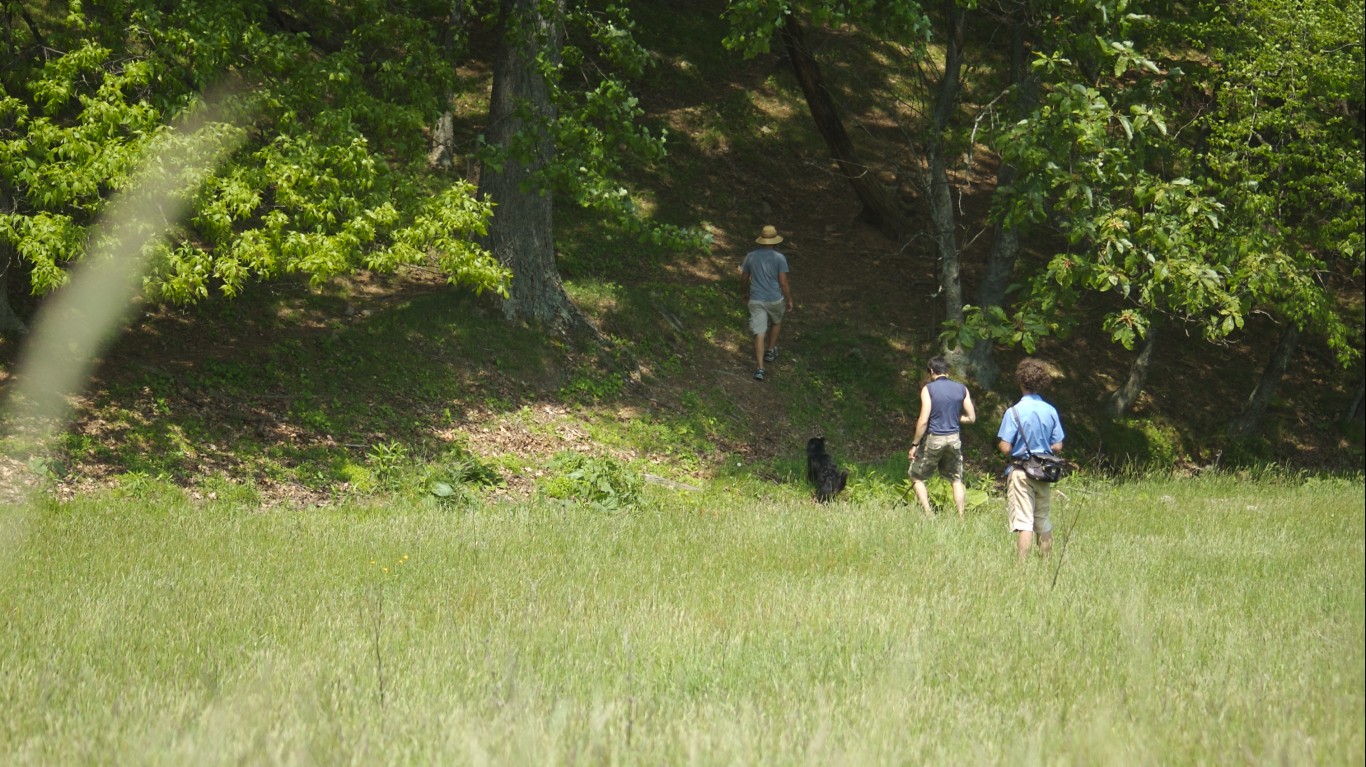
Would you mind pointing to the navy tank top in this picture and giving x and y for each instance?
(946, 405)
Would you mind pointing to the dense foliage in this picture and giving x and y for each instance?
(1194, 163)
(1206, 165)
(330, 101)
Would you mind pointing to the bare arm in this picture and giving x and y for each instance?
(744, 285)
(923, 422)
(969, 412)
(1005, 447)
(787, 293)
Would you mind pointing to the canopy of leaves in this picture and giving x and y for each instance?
(330, 102)
(1200, 164)
(595, 118)
(754, 23)
(1283, 138)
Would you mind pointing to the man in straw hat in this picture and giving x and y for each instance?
(763, 279)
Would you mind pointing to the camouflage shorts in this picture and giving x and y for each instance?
(939, 451)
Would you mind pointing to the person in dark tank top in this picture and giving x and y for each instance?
(945, 405)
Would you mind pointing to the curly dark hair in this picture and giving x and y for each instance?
(1033, 375)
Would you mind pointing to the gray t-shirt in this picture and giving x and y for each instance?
(763, 267)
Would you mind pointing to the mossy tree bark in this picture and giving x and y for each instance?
(935, 181)
(521, 233)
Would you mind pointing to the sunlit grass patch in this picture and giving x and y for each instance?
(1179, 621)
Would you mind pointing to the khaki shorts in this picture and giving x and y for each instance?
(762, 313)
(1027, 503)
(939, 451)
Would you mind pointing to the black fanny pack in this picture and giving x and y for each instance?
(1043, 468)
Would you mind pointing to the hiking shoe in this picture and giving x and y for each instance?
(771, 354)
(759, 374)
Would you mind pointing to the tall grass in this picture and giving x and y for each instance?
(1206, 621)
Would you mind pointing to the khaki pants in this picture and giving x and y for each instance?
(1027, 503)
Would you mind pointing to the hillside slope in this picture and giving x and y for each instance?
(309, 394)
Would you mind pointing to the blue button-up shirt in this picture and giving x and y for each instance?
(1042, 427)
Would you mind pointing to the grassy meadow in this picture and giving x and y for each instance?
(1216, 620)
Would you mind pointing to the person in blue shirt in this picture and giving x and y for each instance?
(1039, 431)
(763, 280)
(945, 404)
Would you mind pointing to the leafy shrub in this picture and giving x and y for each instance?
(867, 486)
(599, 481)
(1141, 442)
(877, 484)
(387, 460)
(360, 478)
(941, 493)
(47, 468)
(453, 479)
(468, 470)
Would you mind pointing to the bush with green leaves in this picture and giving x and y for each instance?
(598, 481)
(1141, 442)
(870, 486)
(975, 495)
(325, 115)
(388, 462)
(455, 478)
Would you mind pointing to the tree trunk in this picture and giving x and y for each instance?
(1123, 398)
(1245, 424)
(1005, 246)
(521, 233)
(441, 155)
(1355, 409)
(880, 207)
(943, 222)
(10, 324)
(944, 225)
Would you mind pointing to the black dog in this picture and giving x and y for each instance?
(822, 472)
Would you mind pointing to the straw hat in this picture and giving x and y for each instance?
(769, 237)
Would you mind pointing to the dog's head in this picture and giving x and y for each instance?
(815, 446)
